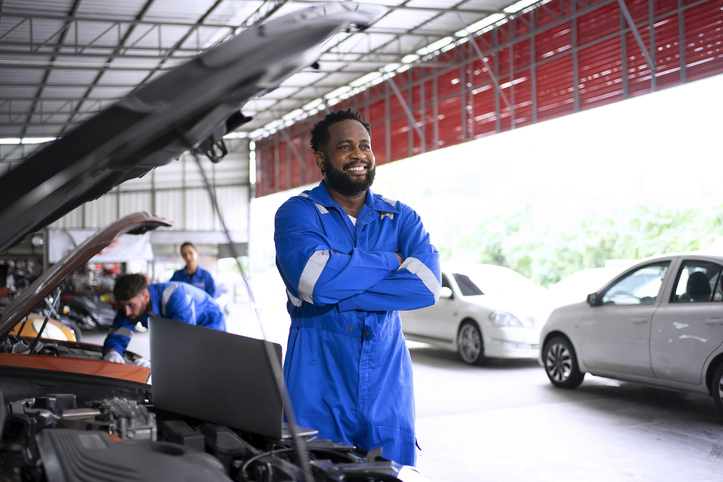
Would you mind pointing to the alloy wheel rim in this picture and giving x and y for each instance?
(469, 343)
(558, 362)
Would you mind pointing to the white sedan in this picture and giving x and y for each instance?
(484, 311)
(659, 322)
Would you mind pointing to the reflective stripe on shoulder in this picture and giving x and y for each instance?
(294, 300)
(413, 265)
(303, 194)
(322, 209)
(123, 331)
(393, 202)
(311, 274)
(167, 296)
(387, 215)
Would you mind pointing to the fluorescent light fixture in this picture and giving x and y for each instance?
(519, 6)
(338, 92)
(26, 140)
(434, 46)
(292, 114)
(408, 59)
(313, 104)
(477, 26)
(365, 79)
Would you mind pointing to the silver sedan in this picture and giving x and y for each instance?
(659, 322)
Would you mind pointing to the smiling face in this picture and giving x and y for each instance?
(347, 159)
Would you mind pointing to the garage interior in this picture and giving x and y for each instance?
(431, 75)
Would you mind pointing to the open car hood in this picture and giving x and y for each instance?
(137, 223)
(190, 107)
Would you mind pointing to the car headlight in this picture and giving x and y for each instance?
(502, 318)
(51, 331)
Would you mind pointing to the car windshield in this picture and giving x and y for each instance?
(494, 281)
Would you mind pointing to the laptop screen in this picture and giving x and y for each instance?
(216, 376)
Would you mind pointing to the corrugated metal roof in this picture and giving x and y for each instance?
(61, 52)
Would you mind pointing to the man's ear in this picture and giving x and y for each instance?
(319, 158)
(146, 296)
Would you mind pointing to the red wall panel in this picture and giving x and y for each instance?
(555, 88)
(600, 74)
(543, 72)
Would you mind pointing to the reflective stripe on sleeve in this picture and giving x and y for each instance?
(167, 296)
(294, 300)
(311, 274)
(127, 332)
(413, 265)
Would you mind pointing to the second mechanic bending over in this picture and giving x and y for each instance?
(177, 301)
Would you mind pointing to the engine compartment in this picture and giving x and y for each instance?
(73, 427)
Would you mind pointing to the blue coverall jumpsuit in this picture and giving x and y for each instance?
(200, 279)
(347, 368)
(176, 301)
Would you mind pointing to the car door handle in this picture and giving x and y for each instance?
(714, 321)
(639, 319)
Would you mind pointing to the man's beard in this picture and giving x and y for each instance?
(340, 182)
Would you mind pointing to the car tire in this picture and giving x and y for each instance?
(560, 363)
(716, 387)
(74, 328)
(470, 344)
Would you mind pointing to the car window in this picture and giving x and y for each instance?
(466, 285)
(698, 281)
(641, 287)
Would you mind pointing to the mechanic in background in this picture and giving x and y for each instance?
(193, 274)
(177, 301)
(350, 259)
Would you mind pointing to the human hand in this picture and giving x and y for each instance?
(399, 257)
(142, 362)
(113, 356)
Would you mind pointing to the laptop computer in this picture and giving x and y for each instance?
(218, 377)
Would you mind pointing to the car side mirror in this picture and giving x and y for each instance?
(445, 292)
(592, 299)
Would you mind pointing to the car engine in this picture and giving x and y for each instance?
(69, 427)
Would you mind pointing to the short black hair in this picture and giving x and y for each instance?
(128, 286)
(188, 243)
(320, 132)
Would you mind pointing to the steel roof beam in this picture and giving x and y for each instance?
(48, 70)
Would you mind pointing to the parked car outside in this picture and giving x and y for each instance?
(484, 311)
(659, 322)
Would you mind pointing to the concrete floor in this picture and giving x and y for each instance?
(506, 422)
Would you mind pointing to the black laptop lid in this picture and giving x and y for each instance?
(215, 376)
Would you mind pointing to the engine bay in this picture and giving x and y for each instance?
(61, 436)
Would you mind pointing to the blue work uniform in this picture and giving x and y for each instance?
(200, 279)
(347, 367)
(176, 301)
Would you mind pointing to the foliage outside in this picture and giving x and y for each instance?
(547, 254)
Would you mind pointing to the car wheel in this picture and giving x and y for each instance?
(470, 344)
(561, 363)
(74, 328)
(716, 388)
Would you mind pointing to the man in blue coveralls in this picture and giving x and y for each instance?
(350, 259)
(177, 301)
